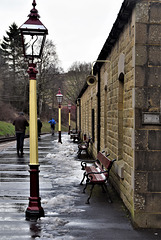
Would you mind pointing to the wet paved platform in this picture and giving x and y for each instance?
(67, 217)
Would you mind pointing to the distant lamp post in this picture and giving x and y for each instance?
(69, 108)
(59, 97)
(33, 34)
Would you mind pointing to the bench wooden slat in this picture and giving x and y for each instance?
(90, 169)
(97, 178)
(104, 160)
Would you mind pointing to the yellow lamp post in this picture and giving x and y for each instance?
(69, 108)
(33, 34)
(59, 97)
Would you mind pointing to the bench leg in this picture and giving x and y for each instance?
(84, 189)
(79, 153)
(90, 194)
(106, 190)
(84, 175)
(87, 182)
(103, 188)
(87, 152)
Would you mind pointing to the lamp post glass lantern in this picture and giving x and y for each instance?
(33, 34)
(59, 97)
(69, 108)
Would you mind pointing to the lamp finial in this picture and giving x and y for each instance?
(34, 3)
(34, 11)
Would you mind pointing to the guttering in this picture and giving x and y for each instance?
(122, 19)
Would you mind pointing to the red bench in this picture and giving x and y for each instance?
(97, 172)
(83, 147)
(75, 135)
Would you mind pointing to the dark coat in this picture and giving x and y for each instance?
(20, 124)
(39, 125)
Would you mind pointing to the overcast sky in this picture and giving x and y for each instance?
(78, 28)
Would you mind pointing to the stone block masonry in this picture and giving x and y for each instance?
(130, 85)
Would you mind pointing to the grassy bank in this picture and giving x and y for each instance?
(7, 129)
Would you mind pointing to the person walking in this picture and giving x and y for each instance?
(39, 126)
(52, 124)
(20, 124)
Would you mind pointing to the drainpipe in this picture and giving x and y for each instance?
(79, 114)
(98, 111)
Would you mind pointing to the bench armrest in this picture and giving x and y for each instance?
(90, 177)
(84, 163)
(113, 161)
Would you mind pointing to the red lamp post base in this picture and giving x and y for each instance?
(34, 213)
(34, 210)
(59, 137)
(69, 130)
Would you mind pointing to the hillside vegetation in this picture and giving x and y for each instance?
(7, 129)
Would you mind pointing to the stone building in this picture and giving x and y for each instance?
(121, 110)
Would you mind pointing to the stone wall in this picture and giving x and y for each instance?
(120, 112)
(130, 87)
(147, 99)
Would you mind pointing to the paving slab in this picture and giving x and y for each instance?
(67, 217)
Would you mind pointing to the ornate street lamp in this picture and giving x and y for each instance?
(69, 108)
(59, 97)
(33, 34)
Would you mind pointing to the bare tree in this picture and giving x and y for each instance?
(49, 78)
(75, 80)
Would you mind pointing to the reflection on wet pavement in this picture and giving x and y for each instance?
(67, 217)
